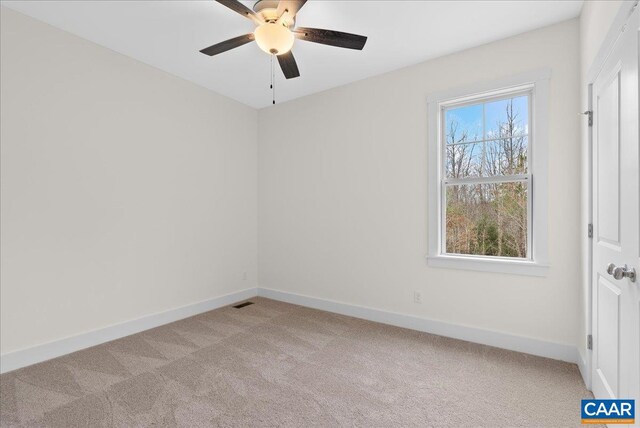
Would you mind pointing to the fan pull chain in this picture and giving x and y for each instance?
(273, 80)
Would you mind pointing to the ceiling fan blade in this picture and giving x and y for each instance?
(243, 10)
(292, 6)
(288, 65)
(228, 44)
(330, 37)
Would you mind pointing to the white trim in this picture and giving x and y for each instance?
(477, 89)
(527, 345)
(488, 264)
(584, 368)
(25, 357)
(625, 11)
(500, 94)
(17, 359)
(538, 82)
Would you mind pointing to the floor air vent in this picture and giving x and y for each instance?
(242, 305)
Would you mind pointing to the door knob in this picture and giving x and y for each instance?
(620, 272)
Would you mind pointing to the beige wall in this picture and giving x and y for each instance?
(596, 20)
(343, 194)
(125, 191)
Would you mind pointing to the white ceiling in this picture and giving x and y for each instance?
(169, 34)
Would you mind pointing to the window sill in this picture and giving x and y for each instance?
(515, 267)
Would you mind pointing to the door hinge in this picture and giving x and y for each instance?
(589, 114)
(590, 230)
(589, 342)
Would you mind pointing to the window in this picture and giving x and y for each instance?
(486, 177)
(485, 212)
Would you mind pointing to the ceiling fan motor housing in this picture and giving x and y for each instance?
(268, 9)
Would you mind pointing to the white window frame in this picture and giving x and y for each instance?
(536, 85)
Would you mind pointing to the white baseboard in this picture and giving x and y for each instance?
(526, 345)
(584, 370)
(25, 357)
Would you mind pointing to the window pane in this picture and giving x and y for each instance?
(487, 219)
(507, 117)
(506, 156)
(463, 124)
(464, 160)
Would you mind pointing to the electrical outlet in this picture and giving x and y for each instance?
(244, 276)
(417, 297)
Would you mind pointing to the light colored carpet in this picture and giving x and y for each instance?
(274, 364)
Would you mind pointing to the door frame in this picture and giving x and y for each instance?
(617, 27)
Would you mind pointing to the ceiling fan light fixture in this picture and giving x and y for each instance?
(274, 38)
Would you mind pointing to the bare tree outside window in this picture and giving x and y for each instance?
(486, 183)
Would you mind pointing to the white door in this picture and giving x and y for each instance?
(616, 217)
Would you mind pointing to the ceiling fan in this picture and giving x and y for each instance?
(276, 32)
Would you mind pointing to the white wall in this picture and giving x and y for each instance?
(595, 21)
(343, 194)
(125, 191)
